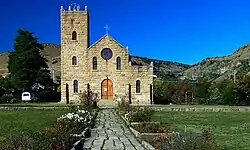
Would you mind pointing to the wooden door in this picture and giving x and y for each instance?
(107, 89)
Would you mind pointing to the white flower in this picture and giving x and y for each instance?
(81, 116)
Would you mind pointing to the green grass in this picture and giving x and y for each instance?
(231, 129)
(18, 121)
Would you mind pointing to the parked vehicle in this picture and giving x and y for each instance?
(27, 96)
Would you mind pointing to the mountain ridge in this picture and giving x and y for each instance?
(218, 68)
(52, 52)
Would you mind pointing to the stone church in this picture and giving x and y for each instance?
(104, 67)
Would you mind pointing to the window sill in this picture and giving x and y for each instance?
(138, 93)
(95, 71)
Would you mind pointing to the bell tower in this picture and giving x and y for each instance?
(74, 43)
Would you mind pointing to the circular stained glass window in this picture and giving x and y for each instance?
(106, 53)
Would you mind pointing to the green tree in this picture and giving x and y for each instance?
(26, 65)
(5, 85)
(162, 91)
(201, 91)
(243, 89)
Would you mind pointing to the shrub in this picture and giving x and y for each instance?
(20, 142)
(75, 122)
(140, 114)
(124, 105)
(89, 99)
(15, 100)
(186, 141)
(151, 128)
(6, 98)
(56, 137)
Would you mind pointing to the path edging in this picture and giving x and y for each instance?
(136, 134)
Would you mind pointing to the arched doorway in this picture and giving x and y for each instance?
(107, 89)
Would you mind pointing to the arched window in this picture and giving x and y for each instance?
(75, 86)
(94, 63)
(74, 35)
(74, 60)
(138, 86)
(118, 63)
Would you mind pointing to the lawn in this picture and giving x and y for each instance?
(231, 129)
(13, 122)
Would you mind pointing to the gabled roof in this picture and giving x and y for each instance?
(108, 36)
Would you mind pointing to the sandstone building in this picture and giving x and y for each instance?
(104, 66)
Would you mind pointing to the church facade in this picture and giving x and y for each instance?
(103, 67)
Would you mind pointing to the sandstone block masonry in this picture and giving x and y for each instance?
(108, 73)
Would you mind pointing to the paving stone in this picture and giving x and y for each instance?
(111, 134)
(113, 138)
(129, 148)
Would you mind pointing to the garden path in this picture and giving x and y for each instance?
(111, 133)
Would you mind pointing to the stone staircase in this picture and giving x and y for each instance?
(106, 104)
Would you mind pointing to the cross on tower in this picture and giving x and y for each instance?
(107, 27)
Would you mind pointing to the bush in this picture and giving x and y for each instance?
(89, 99)
(140, 114)
(6, 98)
(20, 142)
(151, 128)
(124, 105)
(186, 141)
(75, 122)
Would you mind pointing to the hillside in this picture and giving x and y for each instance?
(52, 52)
(218, 68)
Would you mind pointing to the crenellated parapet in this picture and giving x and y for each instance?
(73, 8)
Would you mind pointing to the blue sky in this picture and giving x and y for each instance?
(185, 31)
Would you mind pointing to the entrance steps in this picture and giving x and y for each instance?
(106, 104)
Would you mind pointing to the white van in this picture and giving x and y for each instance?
(27, 96)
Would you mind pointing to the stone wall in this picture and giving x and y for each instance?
(198, 108)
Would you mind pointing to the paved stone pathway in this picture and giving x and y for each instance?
(110, 133)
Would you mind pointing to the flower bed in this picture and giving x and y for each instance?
(150, 127)
(147, 131)
(136, 119)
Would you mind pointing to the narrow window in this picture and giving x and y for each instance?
(74, 60)
(138, 86)
(74, 35)
(75, 86)
(94, 63)
(118, 63)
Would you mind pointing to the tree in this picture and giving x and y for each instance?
(27, 67)
(243, 89)
(201, 91)
(162, 91)
(180, 91)
(5, 85)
